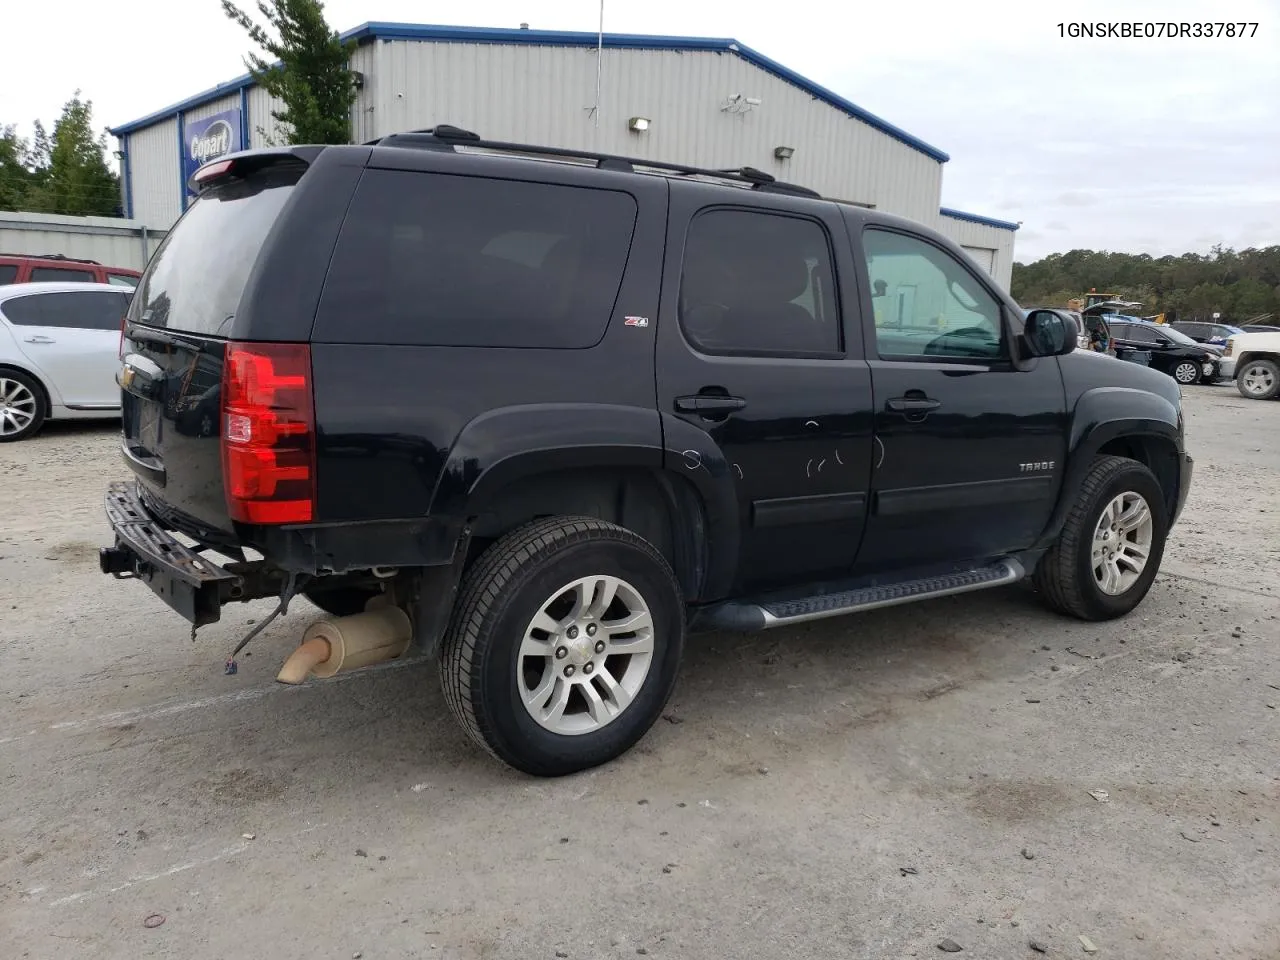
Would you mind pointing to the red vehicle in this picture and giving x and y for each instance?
(43, 268)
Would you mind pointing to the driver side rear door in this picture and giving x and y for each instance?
(969, 451)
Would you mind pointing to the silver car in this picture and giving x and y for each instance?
(59, 354)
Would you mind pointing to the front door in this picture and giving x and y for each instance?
(969, 450)
(752, 353)
(73, 338)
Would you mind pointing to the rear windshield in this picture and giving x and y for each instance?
(442, 260)
(196, 277)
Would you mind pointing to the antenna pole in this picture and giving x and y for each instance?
(599, 63)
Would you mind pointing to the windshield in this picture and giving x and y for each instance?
(196, 277)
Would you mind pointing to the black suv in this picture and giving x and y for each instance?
(542, 412)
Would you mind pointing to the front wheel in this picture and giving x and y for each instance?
(1186, 372)
(564, 645)
(1110, 548)
(1259, 379)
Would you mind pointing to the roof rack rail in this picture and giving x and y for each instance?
(50, 256)
(447, 137)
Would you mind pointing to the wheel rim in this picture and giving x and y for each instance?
(585, 655)
(1122, 543)
(1258, 379)
(1186, 372)
(17, 407)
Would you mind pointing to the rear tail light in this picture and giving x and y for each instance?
(268, 433)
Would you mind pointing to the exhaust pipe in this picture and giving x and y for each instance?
(345, 643)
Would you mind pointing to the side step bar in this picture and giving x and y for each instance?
(767, 614)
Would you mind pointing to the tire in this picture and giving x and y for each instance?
(1066, 577)
(1258, 379)
(486, 670)
(1186, 372)
(23, 407)
(339, 601)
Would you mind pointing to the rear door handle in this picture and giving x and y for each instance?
(709, 404)
(41, 340)
(912, 404)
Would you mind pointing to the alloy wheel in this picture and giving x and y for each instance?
(18, 407)
(1122, 543)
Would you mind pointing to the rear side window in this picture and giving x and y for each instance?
(51, 274)
(8, 273)
(441, 260)
(758, 283)
(82, 310)
(195, 280)
(122, 280)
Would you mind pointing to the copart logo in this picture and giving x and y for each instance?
(213, 143)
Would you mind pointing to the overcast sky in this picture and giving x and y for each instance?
(1146, 145)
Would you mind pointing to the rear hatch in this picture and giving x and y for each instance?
(181, 328)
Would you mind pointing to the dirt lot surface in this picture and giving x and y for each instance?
(864, 787)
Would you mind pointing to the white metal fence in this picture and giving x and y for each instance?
(112, 242)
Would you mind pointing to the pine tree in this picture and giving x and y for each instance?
(312, 77)
(15, 169)
(70, 173)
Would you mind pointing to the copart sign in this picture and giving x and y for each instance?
(208, 139)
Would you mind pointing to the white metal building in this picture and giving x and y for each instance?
(705, 102)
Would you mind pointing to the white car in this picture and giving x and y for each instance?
(59, 354)
(1254, 360)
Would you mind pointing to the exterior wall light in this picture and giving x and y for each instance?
(638, 124)
(784, 153)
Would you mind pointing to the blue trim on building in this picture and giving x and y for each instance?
(126, 175)
(182, 166)
(369, 32)
(975, 218)
(244, 118)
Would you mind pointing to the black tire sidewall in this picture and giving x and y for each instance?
(1137, 479)
(1275, 369)
(513, 733)
(42, 406)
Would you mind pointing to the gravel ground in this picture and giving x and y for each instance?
(865, 787)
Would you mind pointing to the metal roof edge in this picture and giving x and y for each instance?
(381, 30)
(976, 218)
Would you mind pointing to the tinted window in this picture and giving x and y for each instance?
(50, 274)
(8, 273)
(926, 302)
(758, 283)
(85, 310)
(197, 275)
(1141, 334)
(466, 261)
(122, 280)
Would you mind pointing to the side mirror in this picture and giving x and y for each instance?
(1048, 333)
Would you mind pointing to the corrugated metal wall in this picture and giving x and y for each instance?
(154, 174)
(983, 237)
(545, 94)
(112, 242)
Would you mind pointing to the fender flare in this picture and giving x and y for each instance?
(507, 445)
(1101, 415)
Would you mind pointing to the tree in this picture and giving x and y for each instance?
(15, 169)
(312, 77)
(76, 179)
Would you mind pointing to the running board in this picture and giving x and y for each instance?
(769, 613)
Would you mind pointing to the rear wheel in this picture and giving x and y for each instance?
(564, 645)
(22, 406)
(1259, 379)
(1110, 548)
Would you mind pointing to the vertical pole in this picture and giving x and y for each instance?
(599, 63)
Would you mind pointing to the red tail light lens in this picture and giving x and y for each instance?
(268, 433)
